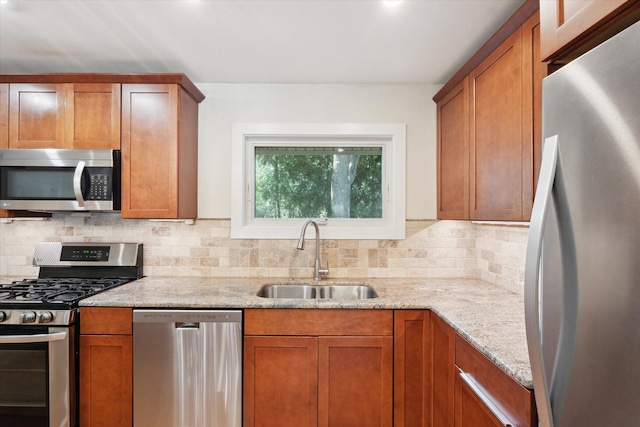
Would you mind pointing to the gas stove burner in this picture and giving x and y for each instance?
(67, 296)
(67, 291)
(70, 272)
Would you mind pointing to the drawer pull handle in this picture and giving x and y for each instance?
(468, 379)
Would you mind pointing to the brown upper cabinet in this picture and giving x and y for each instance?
(501, 136)
(4, 115)
(152, 118)
(453, 153)
(64, 115)
(93, 116)
(36, 115)
(489, 127)
(571, 27)
(159, 152)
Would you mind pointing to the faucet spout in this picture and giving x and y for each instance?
(300, 246)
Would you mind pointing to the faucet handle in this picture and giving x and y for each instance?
(324, 270)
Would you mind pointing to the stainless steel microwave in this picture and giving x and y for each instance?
(60, 180)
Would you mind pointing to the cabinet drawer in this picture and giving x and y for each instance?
(515, 401)
(106, 321)
(318, 322)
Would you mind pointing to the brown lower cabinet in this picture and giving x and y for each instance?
(106, 367)
(338, 368)
(485, 396)
(443, 372)
(336, 371)
(412, 368)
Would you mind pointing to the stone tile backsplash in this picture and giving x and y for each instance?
(431, 249)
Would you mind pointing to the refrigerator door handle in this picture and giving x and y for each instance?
(532, 279)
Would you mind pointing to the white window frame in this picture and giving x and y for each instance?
(246, 136)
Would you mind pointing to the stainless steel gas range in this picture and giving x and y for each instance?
(39, 328)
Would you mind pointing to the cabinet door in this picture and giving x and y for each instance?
(4, 115)
(443, 372)
(500, 133)
(93, 116)
(507, 397)
(411, 369)
(470, 410)
(566, 24)
(355, 382)
(535, 71)
(106, 394)
(36, 116)
(149, 151)
(280, 381)
(453, 153)
(4, 125)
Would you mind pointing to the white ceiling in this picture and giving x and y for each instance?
(250, 41)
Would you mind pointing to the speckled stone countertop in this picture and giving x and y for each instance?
(490, 317)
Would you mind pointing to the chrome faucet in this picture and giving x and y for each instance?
(317, 270)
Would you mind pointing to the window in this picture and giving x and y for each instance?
(349, 177)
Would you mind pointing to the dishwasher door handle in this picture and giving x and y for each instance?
(187, 316)
(187, 325)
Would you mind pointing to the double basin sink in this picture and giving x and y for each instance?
(313, 291)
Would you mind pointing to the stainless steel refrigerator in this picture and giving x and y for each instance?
(582, 273)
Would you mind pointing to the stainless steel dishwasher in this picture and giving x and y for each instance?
(187, 368)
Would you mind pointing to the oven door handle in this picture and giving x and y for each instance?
(36, 338)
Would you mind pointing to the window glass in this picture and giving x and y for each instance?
(318, 182)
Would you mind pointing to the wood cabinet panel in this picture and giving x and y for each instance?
(496, 127)
(280, 381)
(324, 380)
(453, 153)
(149, 151)
(4, 126)
(64, 115)
(318, 322)
(93, 116)
(106, 385)
(412, 368)
(106, 321)
(36, 115)
(159, 152)
(531, 46)
(355, 386)
(513, 400)
(570, 27)
(4, 115)
(470, 410)
(106, 367)
(443, 372)
(489, 133)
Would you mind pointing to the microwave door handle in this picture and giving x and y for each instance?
(28, 339)
(77, 184)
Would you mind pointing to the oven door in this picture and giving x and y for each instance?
(37, 384)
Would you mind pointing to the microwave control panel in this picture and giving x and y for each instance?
(99, 184)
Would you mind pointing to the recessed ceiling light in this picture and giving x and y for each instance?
(391, 3)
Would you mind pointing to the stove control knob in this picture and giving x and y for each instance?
(45, 317)
(3, 316)
(28, 317)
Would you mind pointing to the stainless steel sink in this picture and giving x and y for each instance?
(307, 291)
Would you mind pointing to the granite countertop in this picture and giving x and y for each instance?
(489, 317)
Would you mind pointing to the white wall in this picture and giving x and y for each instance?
(311, 103)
